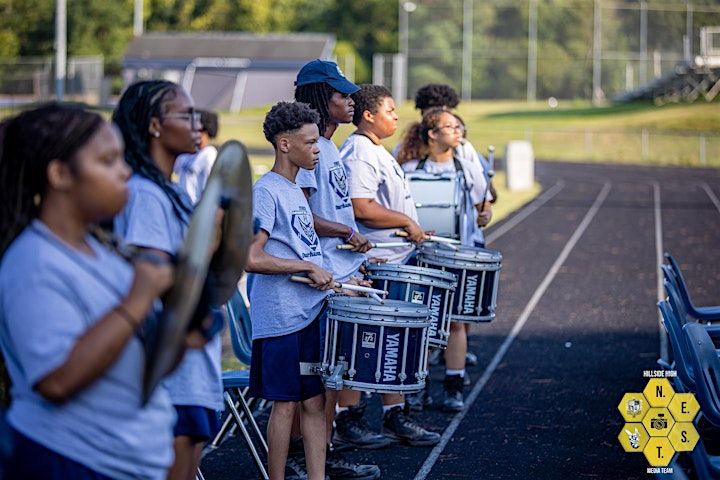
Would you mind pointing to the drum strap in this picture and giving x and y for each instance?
(310, 368)
(458, 165)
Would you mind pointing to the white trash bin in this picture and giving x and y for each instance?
(520, 165)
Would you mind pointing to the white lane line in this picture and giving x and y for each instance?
(525, 212)
(711, 194)
(664, 354)
(426, 468)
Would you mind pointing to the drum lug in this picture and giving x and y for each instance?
(351, 373)
(334, 381)
(402, 377)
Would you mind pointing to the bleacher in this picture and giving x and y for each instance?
(688, 81)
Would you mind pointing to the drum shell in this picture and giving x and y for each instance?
(439, 200)
(382, 347)
(424, 286)
(478, 272)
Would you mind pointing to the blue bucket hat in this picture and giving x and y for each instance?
(321, 71)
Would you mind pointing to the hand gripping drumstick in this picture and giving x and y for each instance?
(432, 238)
(373, 292)
(347, 246)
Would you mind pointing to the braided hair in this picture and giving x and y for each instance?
(317, 95)
(417, 138)
(28, 143)
(138, 105)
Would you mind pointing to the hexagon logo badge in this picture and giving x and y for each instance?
(659, 452)
(684, 407)
(684, 437)
(658, 422)
(658, 392)
(633, 437)
(633, 407)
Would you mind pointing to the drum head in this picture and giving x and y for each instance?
(181, 301)
(232, 169)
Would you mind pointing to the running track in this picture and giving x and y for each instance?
(576, 326)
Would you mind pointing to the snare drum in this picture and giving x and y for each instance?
(478, 272)
(440, 202)
(375, 347)
(424, 286)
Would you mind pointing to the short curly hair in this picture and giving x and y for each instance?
(436, 95)
(368, 98)
(288, 117)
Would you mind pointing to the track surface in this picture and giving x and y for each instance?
(546, 388)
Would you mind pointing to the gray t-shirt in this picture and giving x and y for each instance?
(330, 199)
(374, 173)
(150, 221)
(193, 170)
(50, 295)
(279, 306)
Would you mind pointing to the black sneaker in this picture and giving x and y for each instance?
(453, 393)
(295, 469)
(471, 359)
(339, 468)
(415, 402)
(352, 431)
(436, 357)
(399, 426)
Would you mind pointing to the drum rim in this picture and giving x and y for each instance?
(492, 256)
(416, 323)
(390, 306)
(438, 278)
(460, 264)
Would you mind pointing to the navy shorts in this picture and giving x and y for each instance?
(199, 423)
(32, 461)
(275, 365)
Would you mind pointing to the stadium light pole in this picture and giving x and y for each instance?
(404, 10)
(532, 52)
(597, 54)
(60, 48)
(138, 24)
(467, 49)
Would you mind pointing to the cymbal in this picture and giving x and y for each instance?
(232, 167)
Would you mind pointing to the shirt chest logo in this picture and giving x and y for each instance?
(338, 182)
(302, 225)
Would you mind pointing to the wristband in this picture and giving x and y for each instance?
(127, 316)
(352, 234)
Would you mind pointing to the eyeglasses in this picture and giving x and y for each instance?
(192, 117)
(454, 128)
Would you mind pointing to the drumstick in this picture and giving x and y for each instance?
(346, 286)
(432, 238)
(347, 246)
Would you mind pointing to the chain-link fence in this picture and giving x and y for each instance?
(32, 79)
(547, 48)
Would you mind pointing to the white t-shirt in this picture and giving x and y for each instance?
(193, 169)
(330, 199)
(374, 173)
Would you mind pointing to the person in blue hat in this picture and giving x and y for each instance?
(322, 85)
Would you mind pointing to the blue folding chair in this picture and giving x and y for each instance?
(237, 382)
(706, 366)
(685, 380)
(674, 275)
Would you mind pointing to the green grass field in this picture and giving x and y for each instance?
(574, 131)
